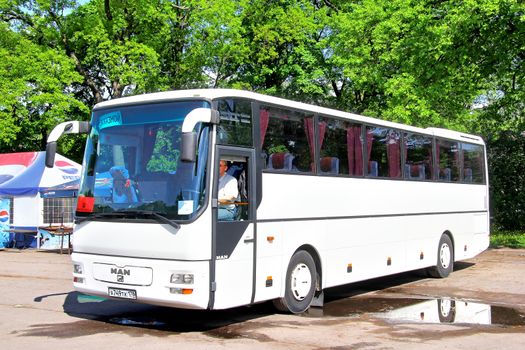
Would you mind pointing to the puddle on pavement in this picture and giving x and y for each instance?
(220, 322)
(421, 311)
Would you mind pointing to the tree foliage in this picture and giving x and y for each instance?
(455, 64)
(35, 91)
(507, 180)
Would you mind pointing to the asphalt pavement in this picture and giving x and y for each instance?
(480, 306)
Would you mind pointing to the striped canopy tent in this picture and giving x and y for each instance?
(25, 173)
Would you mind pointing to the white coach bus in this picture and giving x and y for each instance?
(324, 198)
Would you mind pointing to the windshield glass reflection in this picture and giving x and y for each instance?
(132, 162)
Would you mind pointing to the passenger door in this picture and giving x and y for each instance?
(234, 240)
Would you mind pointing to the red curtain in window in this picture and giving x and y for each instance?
(322, 132)
(369, 142)
(309, 127)
(264, 118)
(354, 150)
(394, 155)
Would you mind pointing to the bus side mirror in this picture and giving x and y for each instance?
(73, 127)
(189, 146)
(51, 150)
(189, 137)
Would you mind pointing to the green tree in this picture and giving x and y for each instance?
(425, 62)
(507, 180)
(282, 38)
(494, 42)
(35, 89)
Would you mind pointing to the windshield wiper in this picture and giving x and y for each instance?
(131, 213)
(153, 214)
(81, 219)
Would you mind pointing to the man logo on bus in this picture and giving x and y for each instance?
(66, 167)
(4, 216)
(120, 271)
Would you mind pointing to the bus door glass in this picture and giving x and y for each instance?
(234, 215)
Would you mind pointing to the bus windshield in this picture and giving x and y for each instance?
(132, 162)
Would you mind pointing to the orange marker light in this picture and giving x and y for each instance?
(270, 239)
(269, 281)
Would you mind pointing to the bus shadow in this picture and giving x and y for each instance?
(381, 283)
(135, 315)
(135, 318)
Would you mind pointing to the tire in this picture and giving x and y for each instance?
(301, 278)
(446, 310)
(445, 258)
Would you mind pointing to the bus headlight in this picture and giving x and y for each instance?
(182, 278)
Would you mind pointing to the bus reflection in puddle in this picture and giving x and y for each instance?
(441, 311)
(395, 310)
(422, 311)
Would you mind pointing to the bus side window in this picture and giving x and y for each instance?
(287, 140)
(383, 151)
(418, 157)
(447, 160)
(341, 149)
(235, 127)
(233, 209)
(473, 161)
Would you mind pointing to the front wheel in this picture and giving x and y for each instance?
(445, 258)
(300, 284)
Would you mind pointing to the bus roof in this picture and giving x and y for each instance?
(212, 94)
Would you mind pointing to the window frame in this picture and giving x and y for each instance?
(401, 152)
(404, 150)
(253, 116)
(361, 138)
(483, 165)
(263, 160)
(403, 135)
(437, 168)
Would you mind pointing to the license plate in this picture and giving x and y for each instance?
(122, 293)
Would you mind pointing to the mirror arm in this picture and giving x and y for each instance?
(72, 127)
(189, 137)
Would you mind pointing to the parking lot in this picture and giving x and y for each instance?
(480, 306)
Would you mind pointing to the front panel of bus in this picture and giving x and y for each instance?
(143, 225)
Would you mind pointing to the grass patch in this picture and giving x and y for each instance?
(510, 239)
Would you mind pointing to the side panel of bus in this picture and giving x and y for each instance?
(364, 228)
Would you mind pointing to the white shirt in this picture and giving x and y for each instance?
(228, 189)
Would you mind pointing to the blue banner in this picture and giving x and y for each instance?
(4, 221)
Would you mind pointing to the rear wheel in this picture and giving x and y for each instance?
(300, 284)
(446, 310)
(445, 258)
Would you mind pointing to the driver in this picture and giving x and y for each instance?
(228, 193)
